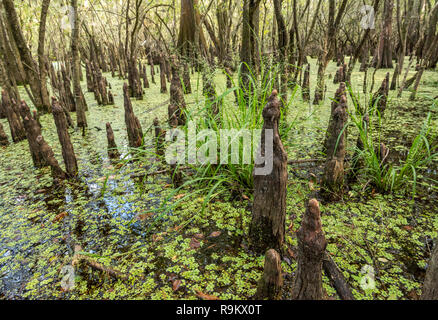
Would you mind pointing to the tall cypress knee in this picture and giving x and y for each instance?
(49, 156)
(311, 248)
(113, 153)
(267, 227)
(333, 178)
(135, 133)
(269, 286)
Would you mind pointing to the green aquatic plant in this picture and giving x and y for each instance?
(373, 154)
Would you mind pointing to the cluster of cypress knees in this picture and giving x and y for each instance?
(267, 228)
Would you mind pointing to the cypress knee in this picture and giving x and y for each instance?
(110, 98)
(335, 103)
(68, 152)
(269, 286)
(113, 153)
(135, 132)
(18, 132)
(311, 248)
(3, 137)
(333, 178)
(49, 156)
(267, 227)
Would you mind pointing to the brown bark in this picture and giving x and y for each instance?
(430, 286)
(191, 39)
(68, 152)
(337, 279)
(311, 248)
(267, 227)
(333, 178)
(381, 96)
(33, 131)
(18, 132)
(135, 132)
(113, 153)
(49, 156)
(163, 76)
(269, 286)
(383, 55)
(249, 40)
(81, 118)
(68, 97)
(283, 42)
(30, 66)
(177, 104)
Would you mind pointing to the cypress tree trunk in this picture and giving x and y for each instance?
(77, 91)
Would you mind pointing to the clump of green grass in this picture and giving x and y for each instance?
(388, 177)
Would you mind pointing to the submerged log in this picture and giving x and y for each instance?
(135, 132)
(267, 229)
(113, 153)
(18, 132)
(430, 286)
(311, 248)
(381, 96)
(33, 131)
(68, 152)
(269, 286)
(3, 137)
(337, 279)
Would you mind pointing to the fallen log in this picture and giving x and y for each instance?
(336, 277)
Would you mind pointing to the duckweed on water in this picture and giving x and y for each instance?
(41, 224)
